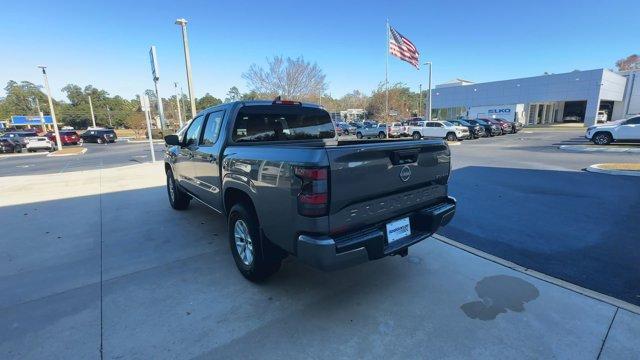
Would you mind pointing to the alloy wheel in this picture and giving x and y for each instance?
(244, 245)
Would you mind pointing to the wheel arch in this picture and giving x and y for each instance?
(233, 195)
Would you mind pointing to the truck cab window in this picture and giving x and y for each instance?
(193, 132)
(212, 128)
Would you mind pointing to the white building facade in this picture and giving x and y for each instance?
(576, 96)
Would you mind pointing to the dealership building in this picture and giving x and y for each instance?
(576, 96)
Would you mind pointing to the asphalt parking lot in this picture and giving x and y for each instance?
(101, 267)
(525, 200)
(97, 156)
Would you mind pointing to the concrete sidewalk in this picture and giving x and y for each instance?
(102, 266)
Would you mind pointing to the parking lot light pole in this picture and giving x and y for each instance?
(175, 85)
(93, 117)
(187, 61)
(428, 117)
(53, 113)
(145, 106)
(44, 125)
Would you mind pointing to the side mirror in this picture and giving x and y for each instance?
(172, 140)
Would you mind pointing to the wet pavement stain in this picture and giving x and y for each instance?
(498, 294)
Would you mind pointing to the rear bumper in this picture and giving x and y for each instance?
(327, 253)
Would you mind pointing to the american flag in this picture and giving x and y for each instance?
(402, 48)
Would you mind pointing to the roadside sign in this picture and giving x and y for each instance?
(144, 103)
(30, 120)
(153, 57)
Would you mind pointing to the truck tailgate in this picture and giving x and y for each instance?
(375, 182)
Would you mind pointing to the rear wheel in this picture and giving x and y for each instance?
(602, 138)
(17, 149)
(100, 141)
(451, 137)
(359, 135)
(255, 257)
(416, 136)
(381, 135)
(178, 199)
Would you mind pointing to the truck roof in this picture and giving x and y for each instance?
(234, 104)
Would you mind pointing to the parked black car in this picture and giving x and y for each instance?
(8, 146)
(489, 129)
(475, 130)
(99, 136)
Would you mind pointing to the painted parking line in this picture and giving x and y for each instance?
(603, 149)
(550, 279)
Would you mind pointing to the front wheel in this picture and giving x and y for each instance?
(359, 135)
(416, 136)
(178, 199)
(451, 137)
(255, 257)
(602, 138)
(381, 135)
(17, 149)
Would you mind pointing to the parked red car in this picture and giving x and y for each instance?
(66, 137)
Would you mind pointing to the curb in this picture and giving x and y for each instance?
(596, 169)
(53, 154)
(21, 155)
(538, 275)
(602, 149)
(144, 141)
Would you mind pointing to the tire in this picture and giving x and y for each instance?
(359, 135)
(17, 149)
(451, 137)
(178, 199)
(255, 257)
(416, 136)
(100, 141)
(381, 135)
(602, 138)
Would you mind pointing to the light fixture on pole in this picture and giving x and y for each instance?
(53, 113)
(187, 61)
(429, 107)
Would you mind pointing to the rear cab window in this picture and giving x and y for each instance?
(259, 123)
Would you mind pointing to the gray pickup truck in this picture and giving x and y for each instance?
(287, 185)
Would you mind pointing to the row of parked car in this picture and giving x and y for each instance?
(32, 141)
(418, 128)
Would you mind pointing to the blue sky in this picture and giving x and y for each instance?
(106, 43)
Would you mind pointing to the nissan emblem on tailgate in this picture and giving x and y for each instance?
(405, 173)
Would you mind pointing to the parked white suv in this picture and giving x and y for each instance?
(627, 130)
(438, 129)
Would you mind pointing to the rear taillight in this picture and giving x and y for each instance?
(313, 199)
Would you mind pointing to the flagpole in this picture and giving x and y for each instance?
(386, 79)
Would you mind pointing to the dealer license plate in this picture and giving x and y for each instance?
(398, 229)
